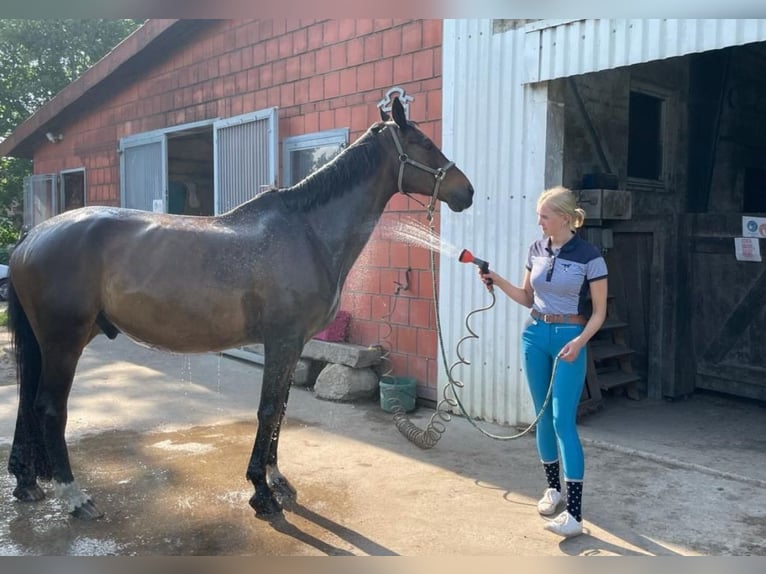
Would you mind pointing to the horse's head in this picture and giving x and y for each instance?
(423, 169)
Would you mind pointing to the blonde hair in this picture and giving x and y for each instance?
(563, 201)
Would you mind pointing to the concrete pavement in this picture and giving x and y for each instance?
(161, 441)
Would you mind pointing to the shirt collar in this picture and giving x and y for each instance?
(568, 246)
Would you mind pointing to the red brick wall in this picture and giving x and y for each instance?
(321, 75)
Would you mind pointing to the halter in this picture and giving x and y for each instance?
(438, 173)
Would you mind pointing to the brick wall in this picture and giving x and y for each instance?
(321, 75)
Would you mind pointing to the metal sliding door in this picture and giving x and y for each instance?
(246, 159)
(144, 173)
(40, 198)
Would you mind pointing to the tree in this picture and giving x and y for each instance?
(39, 58)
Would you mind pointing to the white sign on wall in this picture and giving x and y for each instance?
(753, 226)
(747, 248)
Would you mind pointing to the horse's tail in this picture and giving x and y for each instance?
(26, 349)
(24, 344)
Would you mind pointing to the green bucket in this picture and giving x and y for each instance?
(398, 391)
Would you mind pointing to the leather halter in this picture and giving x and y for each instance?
(439, 173)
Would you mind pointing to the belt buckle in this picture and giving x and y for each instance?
(546, 317)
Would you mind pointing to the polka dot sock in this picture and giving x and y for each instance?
(574, 499)
(552, 475)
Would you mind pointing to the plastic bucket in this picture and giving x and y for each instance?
(398, 392)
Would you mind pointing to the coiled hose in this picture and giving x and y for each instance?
(428, 437)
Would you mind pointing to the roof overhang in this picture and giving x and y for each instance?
(562, 48)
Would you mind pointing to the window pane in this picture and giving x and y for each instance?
(645, 136)
(74, 190)
(308, 160)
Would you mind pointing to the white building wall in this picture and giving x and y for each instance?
(494, 130)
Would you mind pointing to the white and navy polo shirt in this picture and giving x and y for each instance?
(561, 279)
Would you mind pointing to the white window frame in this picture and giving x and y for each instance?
(337, 136)
(155, 136)
(667, 111)
(62, 187)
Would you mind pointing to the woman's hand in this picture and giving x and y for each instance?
(571, 350)
(489, 278)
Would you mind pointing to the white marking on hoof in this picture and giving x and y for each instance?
(70, 493)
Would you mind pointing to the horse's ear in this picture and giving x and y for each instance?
(384, 115)
(397, 109)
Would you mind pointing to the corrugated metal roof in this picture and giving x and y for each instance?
(557, 49)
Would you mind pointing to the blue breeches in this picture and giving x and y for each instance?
(557, 428)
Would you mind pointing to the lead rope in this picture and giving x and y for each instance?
(428, 437)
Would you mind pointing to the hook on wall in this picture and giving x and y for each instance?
(406, 285)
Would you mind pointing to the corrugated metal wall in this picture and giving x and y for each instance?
(561, 50)
(484, 130)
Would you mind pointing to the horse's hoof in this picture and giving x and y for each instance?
(287, 502)
(87, 511)
(29, 493)
(284, 492)
(267, 508)
(286, 498)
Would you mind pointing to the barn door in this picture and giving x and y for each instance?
(144, 172)
(728, 317)
(246, 159)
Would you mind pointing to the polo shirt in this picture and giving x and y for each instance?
(561, 278)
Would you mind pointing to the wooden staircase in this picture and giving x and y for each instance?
(609, 362)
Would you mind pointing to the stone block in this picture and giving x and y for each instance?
(356, 356)
(342, 383)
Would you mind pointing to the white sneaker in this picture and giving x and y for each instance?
(549, 502)
(564, 525)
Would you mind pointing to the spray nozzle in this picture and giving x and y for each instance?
(468, 257)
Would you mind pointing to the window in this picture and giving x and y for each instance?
(72, 189)
(645, 136)
(755, 190)
(303, 155)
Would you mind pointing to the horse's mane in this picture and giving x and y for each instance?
(337, 176)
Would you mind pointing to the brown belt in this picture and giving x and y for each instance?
(551, 318)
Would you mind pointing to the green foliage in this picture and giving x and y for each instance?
(12, 172)
(39, 58)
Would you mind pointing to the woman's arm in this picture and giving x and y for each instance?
(522, 295)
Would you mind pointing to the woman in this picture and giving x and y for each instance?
(562, 269)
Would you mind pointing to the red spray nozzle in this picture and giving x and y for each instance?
(468, 257)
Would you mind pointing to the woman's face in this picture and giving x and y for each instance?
(552, 222)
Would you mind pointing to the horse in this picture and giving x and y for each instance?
(269, 271)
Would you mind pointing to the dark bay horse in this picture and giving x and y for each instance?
(269, 271)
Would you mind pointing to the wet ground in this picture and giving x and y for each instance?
(178, 493)
(162, 441)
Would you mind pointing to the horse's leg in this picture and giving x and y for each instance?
(59, 365)
(283, 490)
(281, 356)
(28, 460)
